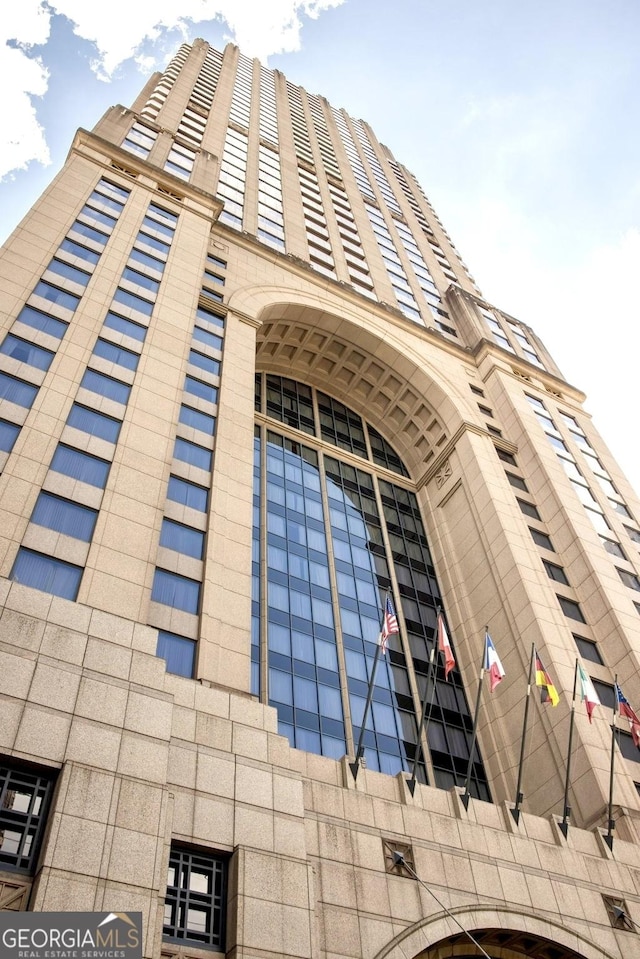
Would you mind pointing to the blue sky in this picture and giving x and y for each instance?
(519, 120)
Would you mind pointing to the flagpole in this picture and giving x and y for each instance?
(566, 812)
(355, 766)
(466, 795)
(426, 716)
(515, 812)
(610, 821)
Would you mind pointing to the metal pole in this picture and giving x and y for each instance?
(566, 811)
(610, 821)
(424, 719)
(354, 767)
(466, 796)
(519, 797)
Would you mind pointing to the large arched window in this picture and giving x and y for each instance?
(336, 526)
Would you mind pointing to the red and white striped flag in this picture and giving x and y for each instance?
(389, 625)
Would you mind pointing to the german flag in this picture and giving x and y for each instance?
(548, 692)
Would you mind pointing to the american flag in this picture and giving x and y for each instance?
(389, 625)
(625, 709)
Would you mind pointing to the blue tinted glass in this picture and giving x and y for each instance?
(42, 321)
(204, 362)
(8, 435)
(65, 517)
(149, 224)
(163, 214)
(203, 390)
(80, 466)
(181, 538)
(133, 276)
(90, 232)
(198, 420)
(193, 454)
(26, 352)
(153, 242)
(213, 278)
(107, 201)
(17, 391)
(116, 354)
(107, 221)
(147, 260)
(69, 272)
(178, 651)
(210, 319)
(177, 591)
(46, 573)
(97, 424)
(128, 327)
(54, 295)
(204, 336)
(112, 189)
(189, 494)
(105, 386)
(133, 301)
(76, 249)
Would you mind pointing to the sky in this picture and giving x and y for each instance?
(520, 120)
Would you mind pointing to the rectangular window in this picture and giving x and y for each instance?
(140, 279)
(181, 538)
(203, 390)
(517, 482)
(46, 573)
(197, 420)
(116, 354)
(54, 295)
(82, 252)
(209, 339)
(588, 649)
(555, 572)
(177, 591)
(135, 330)
(571, 609)
(195, 902)
(64, 516)
(106, 201)
(8, 435)
(105, 386)
(25, 352)
(192, 453)
(25, 795)
(204, 362)
(98, 217)
(42, 321)
(529, 509)
(133, 302)
(89, 232)
(80, 466)
(188, 494)
(178, 651)
(162, 214)
(97, 424)
(145, 259)
(156, 244)
(629, 579)
(69, 272)
(17, 391)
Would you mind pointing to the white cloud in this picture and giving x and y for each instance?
(259, 28)
(22, 76)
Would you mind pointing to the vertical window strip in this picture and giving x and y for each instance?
(240, 111)
(395, 271)
(180, 592)
(576, 478)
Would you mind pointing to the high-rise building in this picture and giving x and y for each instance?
(249, 390)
